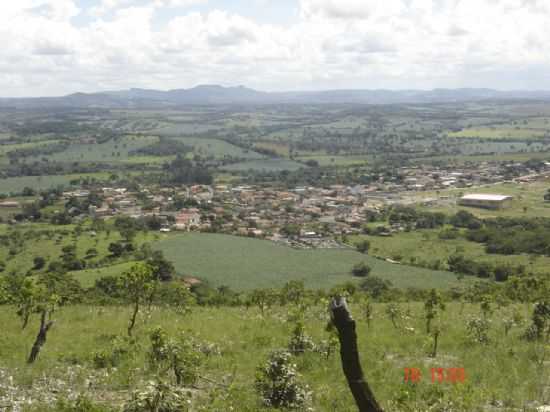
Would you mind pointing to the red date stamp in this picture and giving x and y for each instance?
(438, 375)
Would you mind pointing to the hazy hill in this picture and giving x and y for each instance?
(215, 94)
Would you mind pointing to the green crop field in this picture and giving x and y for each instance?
(16, 184)
(217, 148)
(113, 150)
(500, 132)
(243, 263)
(328, 160)
(267, 165)
(6, 148)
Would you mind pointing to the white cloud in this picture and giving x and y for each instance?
(335, 43)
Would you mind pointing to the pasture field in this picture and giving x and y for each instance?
(528, 199)
(266, 165)
(179, 129)
(87, 277)
(49, 245)
(6, 148)
(425, 247)
(280, 148)
(328, 160)
(113, 150)
(505, 374)
(16, 184)
(243, 264)
(479, 158)
(217, 148)
(499, 132)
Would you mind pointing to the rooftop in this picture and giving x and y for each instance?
(481, 196)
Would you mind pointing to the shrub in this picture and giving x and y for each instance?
(540, 326)
(478, 329)
(159, 397)
(361, 269)
(363, 246)
(81, 404)
(277, 382)
(182, 357)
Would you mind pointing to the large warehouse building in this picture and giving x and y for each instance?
(486, 201)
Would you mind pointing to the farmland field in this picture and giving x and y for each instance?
(110, 151)
(500, 133)
(268, 165)
(16, 184)
(528, 199)
(244, 263)
(425, 247)
(217, 148)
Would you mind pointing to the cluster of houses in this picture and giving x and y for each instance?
(302, 216)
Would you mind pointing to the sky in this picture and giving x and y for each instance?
(57, 47)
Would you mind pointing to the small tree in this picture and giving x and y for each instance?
(363, 246)
(263, 298)
(394, 313)
(39, 262)
(540, 328)
(137, 285)
(361, 269)
(293, 292)
(431, 307)
(277, 382)
(51, 290)
(367, 310)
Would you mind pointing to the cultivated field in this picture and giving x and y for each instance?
(242, 264)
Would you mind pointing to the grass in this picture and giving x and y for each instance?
(218, 148)
(526, 195)
(503, 372)
(113, 150)
(500, 132)
(16, 184)
(328, 160)
(243, 263)
(7, 148)
(87, 277)
(425, 246)
(267, 165)
(49, 247)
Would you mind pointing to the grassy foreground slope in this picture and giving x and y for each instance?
(504, 372)
(243, 263)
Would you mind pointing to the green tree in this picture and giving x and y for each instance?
(361, 269)
(432, 305)
(137, 284)
(363, 246)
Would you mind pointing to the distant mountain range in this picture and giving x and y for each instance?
(214, 94)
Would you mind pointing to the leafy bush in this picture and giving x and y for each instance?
(182, 357)
(540, 326)
(361, 269)
(159, 397)
(112, 357)
(478, 329)
(277, 382)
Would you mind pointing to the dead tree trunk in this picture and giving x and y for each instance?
(41, 337)
(436, 338)
(341, 317)
(133, 318)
